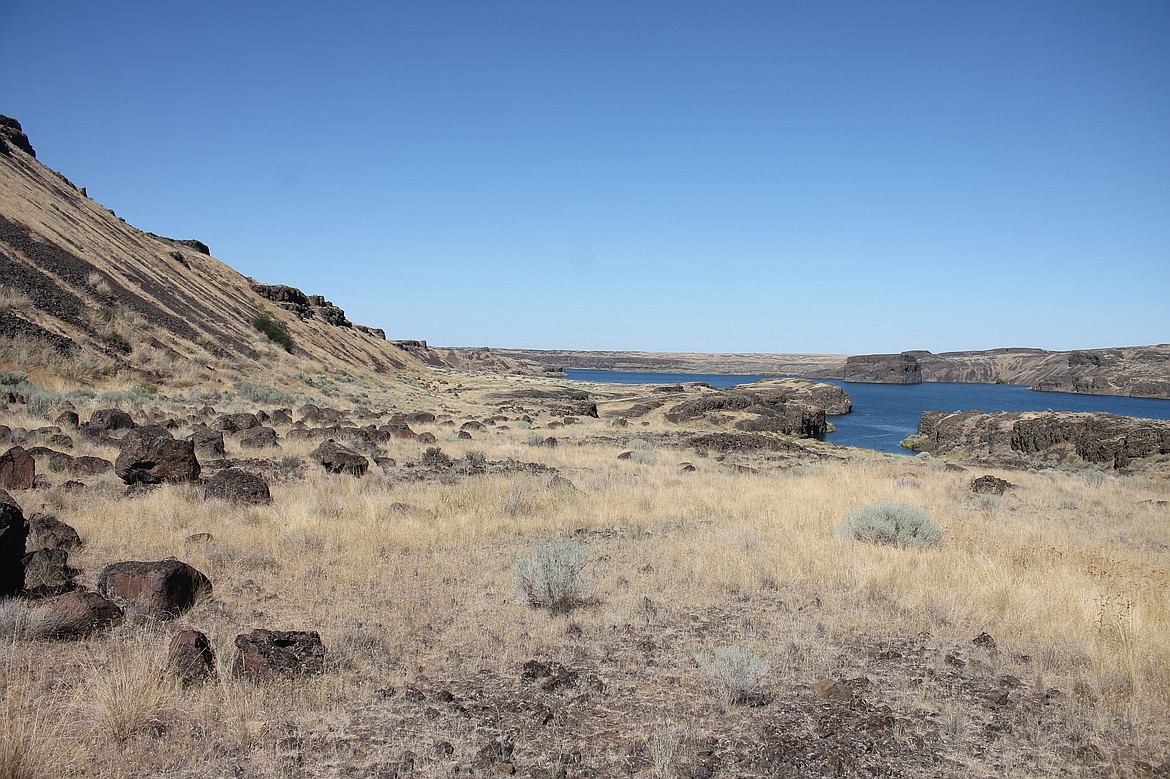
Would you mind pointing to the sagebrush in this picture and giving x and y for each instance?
(895, 523)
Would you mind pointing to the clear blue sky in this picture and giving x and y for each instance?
(679, 176)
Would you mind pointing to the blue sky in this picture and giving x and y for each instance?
(841, 177)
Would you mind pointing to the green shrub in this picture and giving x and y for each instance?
(897, 524)
(915, 442)
(737, 674)
(261, 394)
(552, 576)
(274, 330)
(9, 378)
(644, 457)
(434, 457)
(985, 502)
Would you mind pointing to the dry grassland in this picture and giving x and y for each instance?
(409, 582)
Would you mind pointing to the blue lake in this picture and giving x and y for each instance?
(884, 414)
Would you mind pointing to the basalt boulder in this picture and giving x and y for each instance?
(13, 534)
(45, 531)
(151, 456)
(18, 469)
(191, 658)
(207, 442)
(76, 615)
(271, 655)
(336, 458)
(109, 420)
(238, 486)
(163, 589)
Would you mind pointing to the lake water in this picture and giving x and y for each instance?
(884, 414)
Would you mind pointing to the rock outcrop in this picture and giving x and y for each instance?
(12, 134)
(790, 406)
(1103, 439)
(304, 306)
(883, 369)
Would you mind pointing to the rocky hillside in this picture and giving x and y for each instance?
(87, 296)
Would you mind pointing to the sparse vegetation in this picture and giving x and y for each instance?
(274, 330)
(552, 577)
(737, 674)
(257, 393)
(892, 523)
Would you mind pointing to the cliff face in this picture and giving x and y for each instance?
(1103, 439)
(883, 369)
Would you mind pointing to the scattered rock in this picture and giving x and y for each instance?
(238, 486)
(268, 655)
(152, 456)
(13, 533)
(76, 615)
(191, 657)
(551, 675)
(336, 458)
(234, 423)
(47, 573)
(108, 420)
(990, 485)
(87, 465)
(68, 419)
(162, 589)
(208, 443)
(45, 531)
(17, 469)
(984, 641)
(258, 438)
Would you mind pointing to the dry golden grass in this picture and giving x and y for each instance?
(409, 580)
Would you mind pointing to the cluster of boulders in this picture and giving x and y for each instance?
(34, 550)
(159, 590)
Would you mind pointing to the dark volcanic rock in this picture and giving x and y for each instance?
(336, 458)
(191, 657)
(18, 469)
(268, 655)
(13, 533)
(87, 465)
(1105, 439)
(162, 589)
(45, 531)
(12, 134)
(237, 486)
(47, 573)
(258, 438)
(990, 485)
(152, 456)
(207, 442)
(77, 614)
(107, 420)
(883, 369)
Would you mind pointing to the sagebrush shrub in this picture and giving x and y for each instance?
(737, 674)
(892, 523)
(552, 577)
